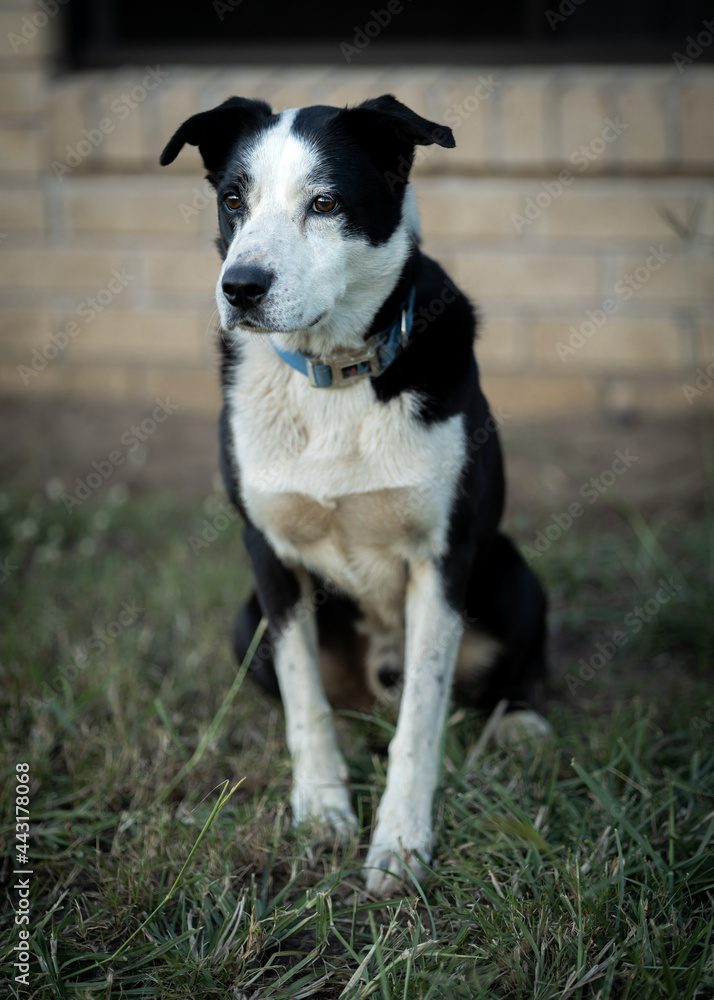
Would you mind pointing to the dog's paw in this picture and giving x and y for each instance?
(519, 730)
(401, 847)
(325, 801)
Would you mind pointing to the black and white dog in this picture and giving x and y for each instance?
(360, 451)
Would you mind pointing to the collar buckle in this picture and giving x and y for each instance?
(312, 375)
(404, 330)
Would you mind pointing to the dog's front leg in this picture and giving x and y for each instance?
(319, 771)
(403, 830)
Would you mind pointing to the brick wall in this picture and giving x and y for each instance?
(577, 209)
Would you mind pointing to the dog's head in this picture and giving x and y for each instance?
(316, 215)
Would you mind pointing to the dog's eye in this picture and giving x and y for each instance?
(232, 202)
(324, 203)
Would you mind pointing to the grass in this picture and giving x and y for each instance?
(163, 856)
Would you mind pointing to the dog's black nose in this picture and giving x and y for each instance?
(244, 285)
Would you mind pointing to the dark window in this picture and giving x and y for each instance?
(114, 32)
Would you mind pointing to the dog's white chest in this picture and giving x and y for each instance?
(341, 484)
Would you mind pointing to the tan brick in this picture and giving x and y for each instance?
(21, 92)
(19, 36)
(609, 211)
(160, 336)
(660, 397)
(584, 110)
(197, 392)
(65, 270)
(110, 205)
(679, 279)
(707, 219)
(21, 330)
(296, 87)
(643, 109)
(62, 380)
(50, 382)
(497, 346)
(101, 383)
(20, 6)
(705, 343)
(521, 277)
(697, 121)
(49, 355)
(350, 85)
(523, 110)
(195, 271)
(457, 207)
(620, 344)
(20, 151)
(22, 210)
(526, 397)
(119, 100)
(248, 81)
(66, 115)
(471, 117)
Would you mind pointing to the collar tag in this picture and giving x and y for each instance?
(356, 370)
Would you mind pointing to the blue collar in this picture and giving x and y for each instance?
(380, 350)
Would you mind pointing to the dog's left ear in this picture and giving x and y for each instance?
(216, 132)
(388, 131)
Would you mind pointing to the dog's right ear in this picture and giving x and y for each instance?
(215, 132)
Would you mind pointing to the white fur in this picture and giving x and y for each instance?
(292, 439)
(403, 830)
(319, 771)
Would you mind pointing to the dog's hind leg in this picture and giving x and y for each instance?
(385, 668)
(503, 655)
